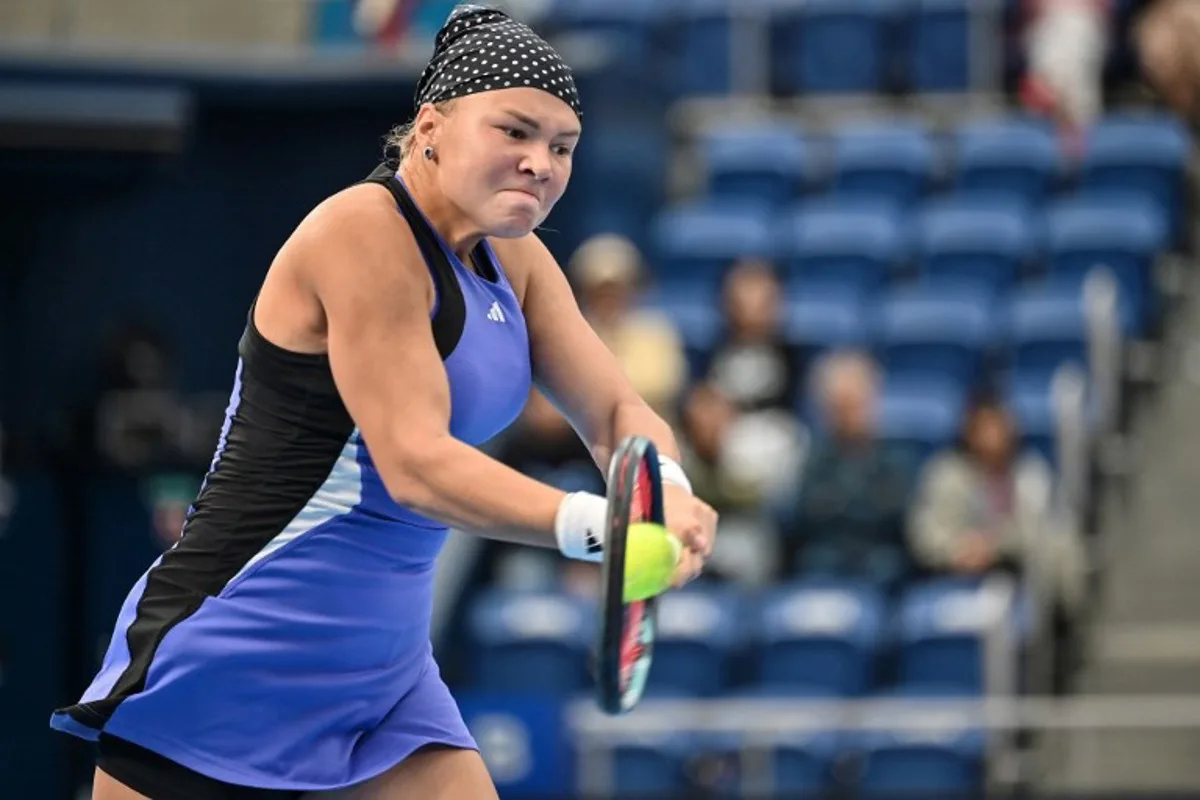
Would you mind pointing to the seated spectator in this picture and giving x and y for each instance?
(739, 465)
(1167, 39)
(1066, 44)
(543, 445)
(984, 507)
(606, 270)
(753, 365)
(854, 491)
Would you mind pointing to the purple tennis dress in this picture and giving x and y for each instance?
(283, 643)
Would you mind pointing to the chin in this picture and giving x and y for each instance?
(514, 225)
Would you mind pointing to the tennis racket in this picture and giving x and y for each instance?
(626, 636)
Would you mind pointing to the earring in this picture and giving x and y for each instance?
(428, 154)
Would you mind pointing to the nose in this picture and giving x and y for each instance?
(537, 164)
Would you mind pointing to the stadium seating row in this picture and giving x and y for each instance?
(813, 637)
(992, 245)
(1013, 155)
(814, 47)
(942, 760)
(933, 341)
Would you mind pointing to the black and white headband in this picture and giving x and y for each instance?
(480, 49)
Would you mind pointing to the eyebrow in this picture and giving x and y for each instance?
(525, 119)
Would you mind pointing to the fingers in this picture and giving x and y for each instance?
(688, 569)
(697, 536)
(698, 530)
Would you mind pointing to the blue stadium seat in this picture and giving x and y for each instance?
(887, 160)
(697, 242)
(939, 50)
(1014, 157)
(767, 163)
(823, 316)
(941, 623)
(697, 637)
(652, 766)
(804, 763)
(935, 330)
(530, 641)
(629, 25)
(834, 46)
(1122, 232)
(976, 239)
(921, 414)
(695, 309)
(619, 172)
(821, 636)
(1146, 155)
(847, 242)
(1046, 329)
(1029, 398)
(934, 761)
(32, 761)
(703, 56)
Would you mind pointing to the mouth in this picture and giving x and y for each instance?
(527, 193)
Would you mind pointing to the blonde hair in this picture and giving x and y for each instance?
(400, 140)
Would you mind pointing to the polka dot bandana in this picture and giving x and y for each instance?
(480, 49)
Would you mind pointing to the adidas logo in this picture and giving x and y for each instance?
(495, 313)
(593, 543)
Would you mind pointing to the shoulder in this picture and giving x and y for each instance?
(360, 214)
(526, 261)
(357, 232)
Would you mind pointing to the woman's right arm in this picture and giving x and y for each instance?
(374, 288)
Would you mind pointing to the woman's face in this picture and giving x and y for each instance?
(504, 157)
(990, 436)
(752, 304)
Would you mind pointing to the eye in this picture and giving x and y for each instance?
(513, 133)
(563, 151)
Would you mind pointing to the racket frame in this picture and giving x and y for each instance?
(634, 454)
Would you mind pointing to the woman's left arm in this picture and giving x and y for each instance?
(574, 368)
(582, 377)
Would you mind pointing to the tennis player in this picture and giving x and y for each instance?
(281, 648)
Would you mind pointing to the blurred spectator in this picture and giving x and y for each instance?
(1066, 44)
(1167, 38)
(543, 445)
(140, 424)
(753, 365)
(855, 489)
(708, 420)
(984, 506)
(606, 270)
(741, 464)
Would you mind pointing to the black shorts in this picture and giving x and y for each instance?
(160, 778)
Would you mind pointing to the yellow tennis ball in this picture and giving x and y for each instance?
(651, 553)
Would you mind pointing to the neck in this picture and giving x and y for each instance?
(459, 232)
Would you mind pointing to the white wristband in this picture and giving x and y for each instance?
(670, 472)
(579, 526)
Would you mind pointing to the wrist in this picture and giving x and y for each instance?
(671, 472)
(580, 526)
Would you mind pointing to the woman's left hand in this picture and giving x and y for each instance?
(694, 522)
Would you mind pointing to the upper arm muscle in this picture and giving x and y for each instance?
(570, 362)
(375, 292)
